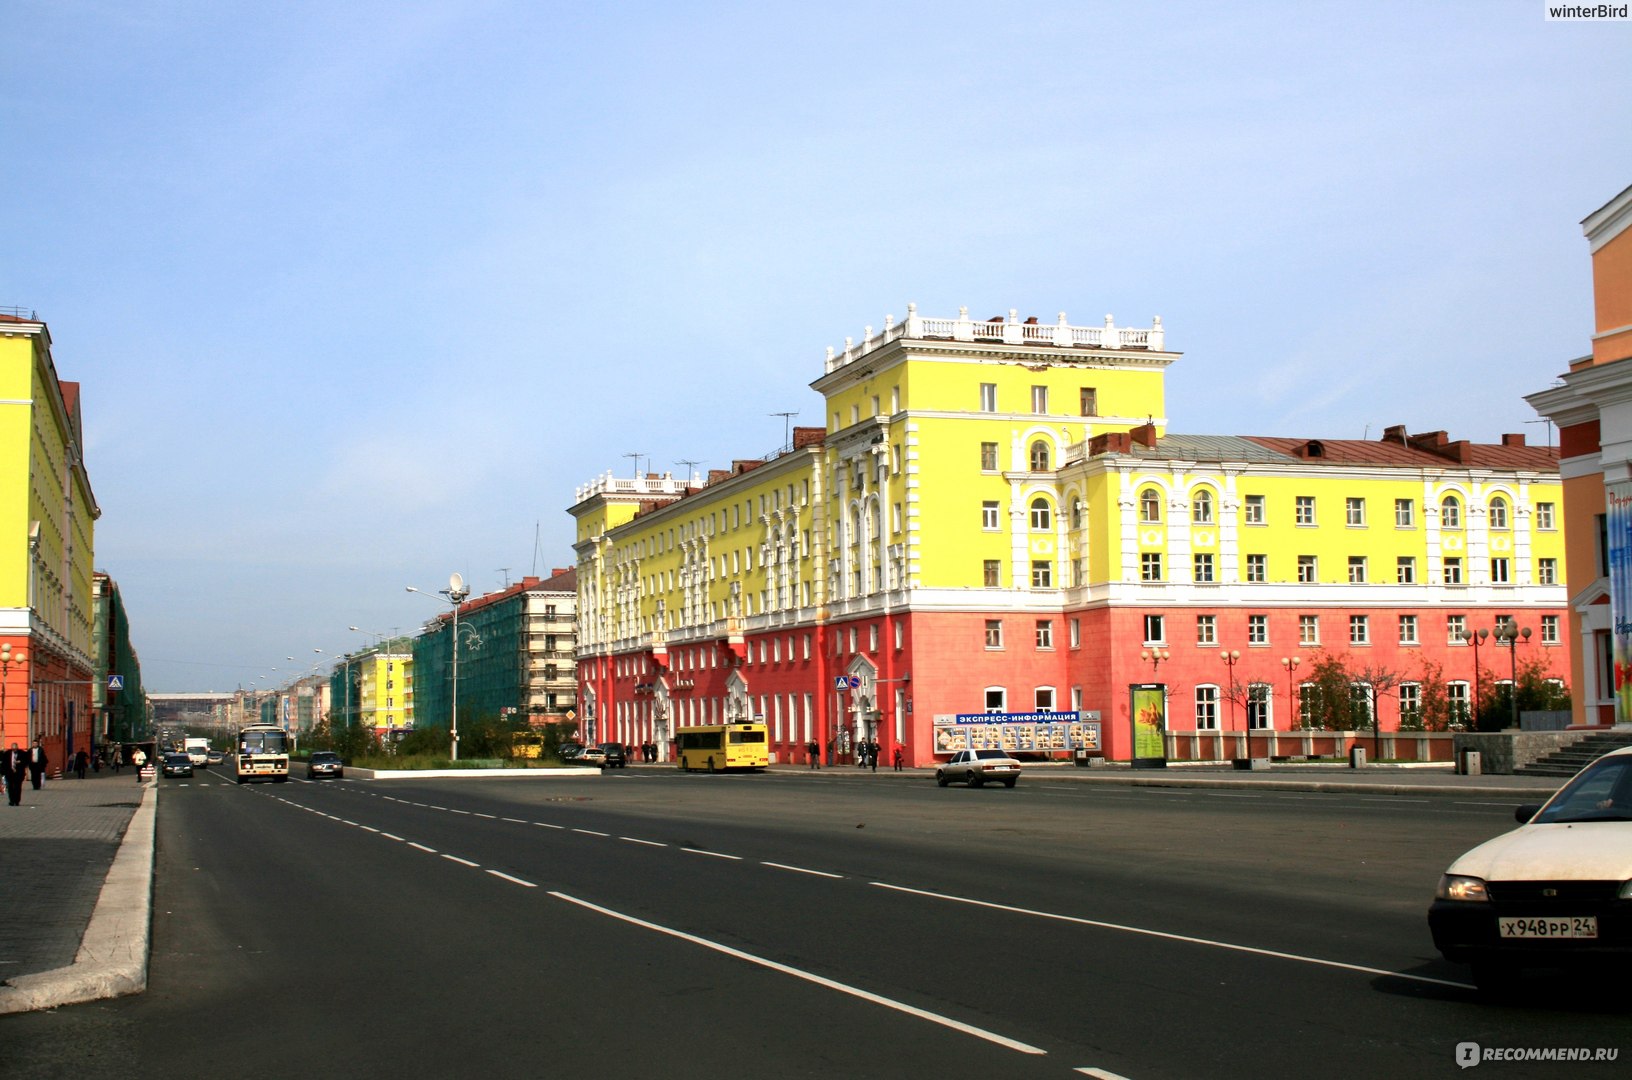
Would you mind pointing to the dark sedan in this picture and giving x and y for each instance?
(176, 765)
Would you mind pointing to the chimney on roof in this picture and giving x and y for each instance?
(1395, 433)
(1512, 440)
(1144, 435)
(559, 570)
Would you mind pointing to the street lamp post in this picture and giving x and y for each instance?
(1474, 639)
(1290, 663)
(1232, 657)
(455, 595)
(8, 658)
(1510, 633)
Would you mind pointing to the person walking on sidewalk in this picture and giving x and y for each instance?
(82, 761)
(138, 759)
(37, 762)
(14, 763)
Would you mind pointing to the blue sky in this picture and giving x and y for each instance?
(359, 292)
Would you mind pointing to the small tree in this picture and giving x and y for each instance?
(1329, 694)
(1434, 710)
(1537, 692)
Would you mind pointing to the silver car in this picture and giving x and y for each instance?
(975, 767)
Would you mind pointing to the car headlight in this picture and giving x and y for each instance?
(1461, 887)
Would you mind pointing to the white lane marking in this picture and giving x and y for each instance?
(800, 869)
(1163, 934)
(591, 832)
(547, 825)
(490, 817)
(714, 854)
(368, 828)
(513, 820)
(457, 859)
(831, 984)
(343, 821)
(638, 840)
(513, 880)
(394, 836)
(464, 812)
(422, 847)
(1102, 1074)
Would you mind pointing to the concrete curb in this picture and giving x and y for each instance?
(468, 774)
(112, 958)
(1355, 787)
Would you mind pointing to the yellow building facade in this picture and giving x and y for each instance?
(47, 523)
(995, 520)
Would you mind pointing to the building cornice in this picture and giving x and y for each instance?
(1608, 221)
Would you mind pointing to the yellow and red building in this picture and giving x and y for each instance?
(47, 522)
(994, 519)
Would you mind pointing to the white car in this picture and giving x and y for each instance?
(975, 767)
(1555, 892)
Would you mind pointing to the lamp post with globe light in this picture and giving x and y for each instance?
(454, 594)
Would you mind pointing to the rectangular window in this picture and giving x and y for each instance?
(1045, 633)
(1258, 705)
(990, 572)
(1405, 514)
(1257, 568)
(1308, 629)
(1405, 569)
(1308, 571)
(988, 515)
(1155, 629)
(1549, 629)
(1359, 630)
(1076, 633)
(1257, 629)
(1456, 696)
(997, 699)
(1042, 574)
(1410, 703)
(1303, 510)
(1499, 571)
(1150, 566)
(1408, 630)
(1044, 697)
(1206, 708)
(1354, 512)
(1206, 630)
(1090, 401)
(1253, 510)
(988, 457)
(994, 633)
(1544, 516)
(1546, 571)
(1357, 569)
(1203, 568)
(988, 397)
(1455, 625)
(1039, 400)
(1453, 571)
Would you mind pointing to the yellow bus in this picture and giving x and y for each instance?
(717, 747)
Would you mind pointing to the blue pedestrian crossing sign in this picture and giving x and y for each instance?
(116, 682)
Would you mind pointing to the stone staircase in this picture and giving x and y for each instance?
(1571, 759)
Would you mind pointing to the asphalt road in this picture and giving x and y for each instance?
(648, 923)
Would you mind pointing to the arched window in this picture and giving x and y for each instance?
(1150, 505)
(1450, 512)
(1201, 508)
(1039, 456)
(1042, 518)
(1498, 513)
(1076, 513)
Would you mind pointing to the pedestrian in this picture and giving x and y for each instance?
(898, 758)
(118, 760)
(872, 754)
(82, 761)
(138, 759)
(814, 749)
(37, 762)
(13, 765)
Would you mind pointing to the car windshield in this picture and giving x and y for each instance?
(1601, 792)
(990, 754)
(325, 755)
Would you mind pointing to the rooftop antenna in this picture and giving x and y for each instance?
(1549, 422)
(637, 455)
(535, 548)
(505, 570)
(787, 428)
(691, 468)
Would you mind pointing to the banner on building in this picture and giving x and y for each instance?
(1618, 496)
(1028, 733)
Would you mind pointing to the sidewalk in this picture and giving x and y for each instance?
(76, 878)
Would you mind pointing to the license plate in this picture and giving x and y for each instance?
(1571, 926)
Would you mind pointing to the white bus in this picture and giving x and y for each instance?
(262, 753)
